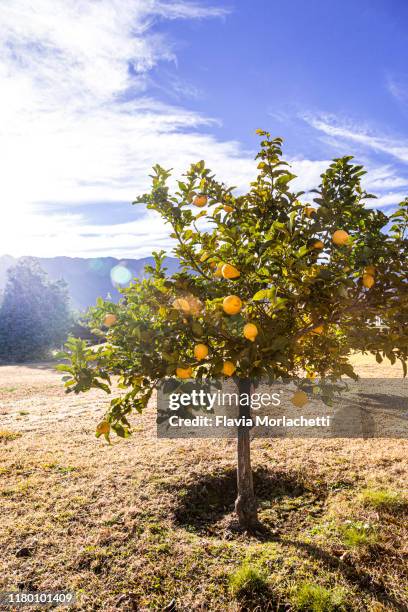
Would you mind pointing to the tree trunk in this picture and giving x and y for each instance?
(245, 504)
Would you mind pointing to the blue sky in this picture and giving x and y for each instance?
(96, 92)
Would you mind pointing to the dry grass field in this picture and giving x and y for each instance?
(143, 522)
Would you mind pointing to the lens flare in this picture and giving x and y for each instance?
(120, 275)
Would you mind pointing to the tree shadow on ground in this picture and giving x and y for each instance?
(356, 576)
(202, 503)
(207, 506)
(264, 601)
(390, 402)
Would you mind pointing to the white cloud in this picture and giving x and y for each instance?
(382, 178)
(76, 122)
(308, 173)
(388, 199)
(46, 234)
(388, 145)
(184, 10)
(397, 85)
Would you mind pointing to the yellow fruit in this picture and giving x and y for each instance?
(368, 280)
(318, 330)
(318, 245)
(228, 209)
(299, 399)
(200, 351)
(311, 375)
(309, 210)
(228, 368)
(184, 372)
(232, 304)
(195, 305)
(370, 270)
(103, 428)
(200, 201)
(229, 271)
(340, 237)
(218, 270)
(110, 319)
(250, 331)
(181, 304)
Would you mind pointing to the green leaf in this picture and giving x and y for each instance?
(64, 368)
(264, 294)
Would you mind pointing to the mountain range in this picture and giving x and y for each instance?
(88, 279)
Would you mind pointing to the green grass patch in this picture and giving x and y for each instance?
(22, 487)
(326, 529)
(65, 516)
(157, 529)
(247, 581)
(381, 499)
(116, 519)
(356, 534)
(316, 598)
(8, 436)
(62, 469)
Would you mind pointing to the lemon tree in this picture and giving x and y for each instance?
(270, 284)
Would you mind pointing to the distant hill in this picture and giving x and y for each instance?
(88, 279)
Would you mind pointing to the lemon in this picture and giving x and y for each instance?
(103, 428)
(250, 331)
(228, 209)
(309, 210)
(232, 304)
(200, 200)
(370, 270)
(200, 351)
(228, 368)
(229, 271)
(110, 319)
(318, 245)
(368, 281)
(318, 330)
(182, 304)
(194, 304)
(218, 269)
(340, 237)
(184, 372)
(299, 399)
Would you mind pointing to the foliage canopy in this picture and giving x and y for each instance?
(311, 278)
(34, 314)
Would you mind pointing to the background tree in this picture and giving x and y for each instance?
(269, 286)
(34, 314)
